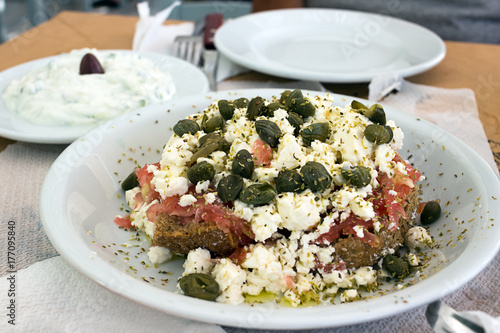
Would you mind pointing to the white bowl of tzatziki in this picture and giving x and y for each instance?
(57, 94)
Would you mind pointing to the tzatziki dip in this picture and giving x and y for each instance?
(57, 94)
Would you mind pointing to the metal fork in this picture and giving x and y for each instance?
(199, 50)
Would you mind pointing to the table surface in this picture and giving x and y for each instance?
(466, 65)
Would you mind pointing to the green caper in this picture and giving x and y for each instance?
(378, 134)
(241, 102)
(296, 121)
(289, 181)
(208, 144)
(229, 188)
(430, 213)
(213, 124)
(268, 131)
(210, 137)
(184, 126)
(255, 108)
(226, 109)
(130, 182)
(284, 95)
(243, 164)
(315, 176)
(358, 105)
(200, 285)
(357, 176)
(303, 107)
(205, 150)
(376, 114)
(258, 194)
(201, 172)
(316, 131)
(297, 93)
(397, 267)
(271, 107)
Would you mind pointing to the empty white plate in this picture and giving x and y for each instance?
(329, 45)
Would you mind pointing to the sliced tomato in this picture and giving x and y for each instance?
(147, 189)
(346, 228)
(201, 210)
(328, 268)
(144, 175)
(124, 221)
(389, 202)
(262, 153)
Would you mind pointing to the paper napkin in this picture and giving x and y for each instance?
(150, 33)
(454, 110)
(152, 36)
(53, 297)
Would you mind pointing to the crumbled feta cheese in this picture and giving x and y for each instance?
(412, 259)
(159, 255)
(349, 295)
(187, 200)
(130, 197)
(265, 271)
(265, 221)
(202, 187)
(140, 220)
(198, 261)
(300, 211)
(359, 231)
(210, 197)
(418, 238)
(230, 278)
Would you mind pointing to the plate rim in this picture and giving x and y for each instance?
(217, 312)
(360, 77)
(79, 130)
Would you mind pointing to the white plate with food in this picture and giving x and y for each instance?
(49, 101)
(82, 195)
(329, 45)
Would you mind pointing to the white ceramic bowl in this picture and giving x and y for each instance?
(81, 196)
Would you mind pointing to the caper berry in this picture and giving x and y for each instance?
(243, 164)
(200, 285)
(289, 181)
(376, 114)
(378, 134)
(258, 194)
(357, 176)
(184, 126)
(284, 95)
(315, 176)
(316, 131)
(430, 213)
(358, 105)
(271, 107)
(296, 121)
(229, 188)
(213, 124)
(241, 102)
(255, 108)
(201, 172)
(208, 144)
(397, 267)
(226, 109)
(209, 138)
(303, 107)
(268, 131)
(297, 93)
(130, 182)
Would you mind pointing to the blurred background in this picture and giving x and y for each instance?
(458, 20)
